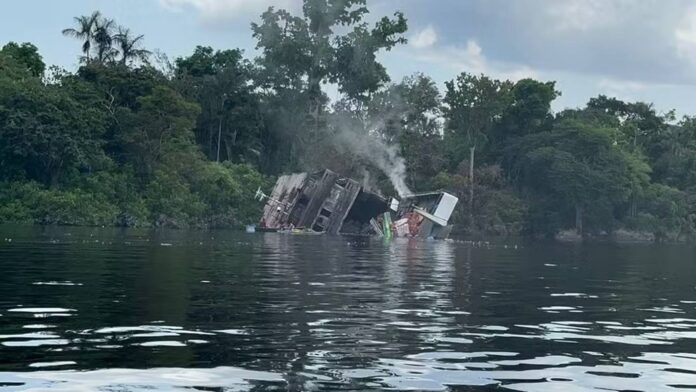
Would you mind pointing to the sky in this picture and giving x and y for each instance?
(631, 49)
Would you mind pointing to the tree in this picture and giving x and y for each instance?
(408, 114)
(221, 82)
(398, 131)
(675, 155)
(103, 37)
(97, 34)
(639, 130)
(84, 30)
(528, 111)
(638, 123)
(299, 54)
(26, 54)
(667, 212)
(473, 105)
(577, 166)
(160, 128)
(47, 130)
(129, 46)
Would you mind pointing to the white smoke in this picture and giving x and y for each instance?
(388, 159)
(368, 182)
(372, 148)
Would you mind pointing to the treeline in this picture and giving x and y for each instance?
(132, 139)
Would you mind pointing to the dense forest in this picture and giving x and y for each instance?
(131, 138)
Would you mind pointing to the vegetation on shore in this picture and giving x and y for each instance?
(132, 139)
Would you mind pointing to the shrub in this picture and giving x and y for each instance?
(30, 202)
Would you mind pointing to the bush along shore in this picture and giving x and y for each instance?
(132, 138)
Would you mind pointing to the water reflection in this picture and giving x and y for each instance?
(126, 310)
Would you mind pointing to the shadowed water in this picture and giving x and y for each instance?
(109, 310)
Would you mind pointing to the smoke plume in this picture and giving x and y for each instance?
(366, 144)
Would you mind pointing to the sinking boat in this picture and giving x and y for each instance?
(325, 202)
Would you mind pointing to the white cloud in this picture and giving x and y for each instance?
(584, 15)
(685, 36)
(623, 89)
(424, 38)
(221, 10)
(471, 59)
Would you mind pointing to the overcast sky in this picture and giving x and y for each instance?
(635, 50)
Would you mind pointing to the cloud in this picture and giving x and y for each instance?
(224, 10)
(584, 15)
(623, 89)
(685, 36)
(646, 40)
(470, 58)
(424, 38)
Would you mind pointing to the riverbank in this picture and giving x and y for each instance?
(620, 236)
(205, 195)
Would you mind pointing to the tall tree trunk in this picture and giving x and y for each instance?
(635, 138)
(217, 158)
(472, 154)
(211, 131)
(222, 115)
(315, 106)
(578, 218)
(53, 180)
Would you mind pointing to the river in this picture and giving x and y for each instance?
(127, 310)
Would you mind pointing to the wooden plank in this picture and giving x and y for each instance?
(287, 189)
(323, 189)
(343, 205)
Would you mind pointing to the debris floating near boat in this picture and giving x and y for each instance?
(325, 202)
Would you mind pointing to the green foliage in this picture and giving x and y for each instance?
(667, 212)
(129, 46)
(227, 189)
(220, 195)
(121, 142)
(27, 55)
(31, 202)
(171, 201)
(407, 114)
(579, 167)
(299, 54)
(675, 155)
(160, 127)
(305, 51)
(474, 105)
(528, 111)
(46, 130)
(115, 144)
(84, 30)
(103, 41)
(498, 210)
(229, 127)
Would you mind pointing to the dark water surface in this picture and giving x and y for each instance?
(108, 310)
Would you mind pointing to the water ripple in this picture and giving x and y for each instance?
(224, 311)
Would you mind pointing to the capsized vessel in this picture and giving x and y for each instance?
(325, 202)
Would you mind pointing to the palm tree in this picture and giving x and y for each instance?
(84, 30)
(130, 46)
(103, 38)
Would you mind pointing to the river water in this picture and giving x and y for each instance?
(110, 310)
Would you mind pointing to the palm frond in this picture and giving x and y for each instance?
(70, 32)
